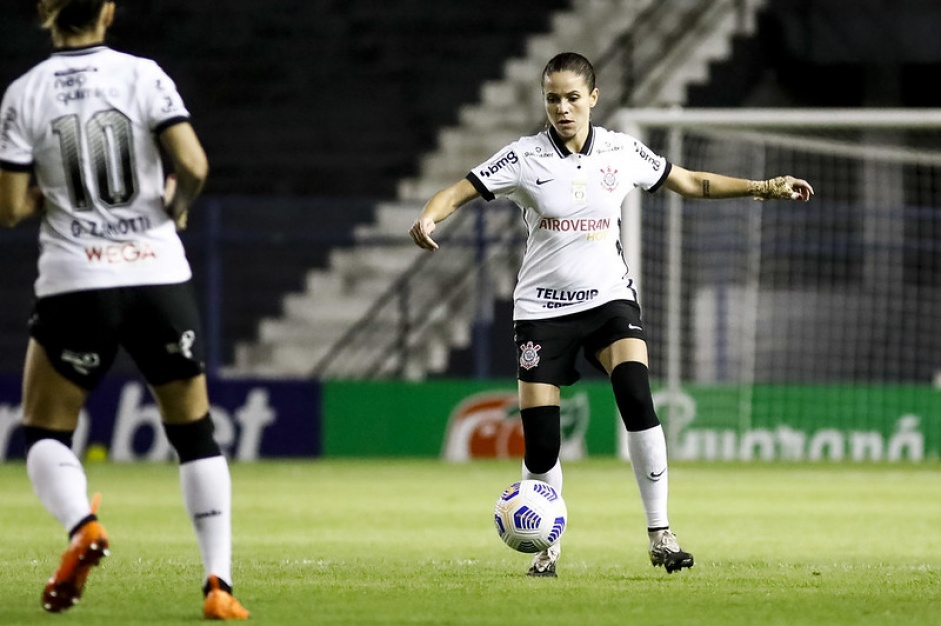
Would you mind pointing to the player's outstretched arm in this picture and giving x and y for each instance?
(439, 207)
(716, 186)
(17, 199)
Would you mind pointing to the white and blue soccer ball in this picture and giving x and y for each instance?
(530, 516)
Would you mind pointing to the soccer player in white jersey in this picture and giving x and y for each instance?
(574, 290)
(89, 123)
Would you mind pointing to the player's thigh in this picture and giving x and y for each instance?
(547, 350)
(182, 401)
(49, 399)
(538, 394)
(622, 351)
(618, 336)
(163, 335)
(73, 344)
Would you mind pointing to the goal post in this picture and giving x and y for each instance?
(773, 322)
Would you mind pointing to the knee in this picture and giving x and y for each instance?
(193, 440)
(34, 434)
(631, 383)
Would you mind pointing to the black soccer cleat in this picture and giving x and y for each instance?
(665, 551)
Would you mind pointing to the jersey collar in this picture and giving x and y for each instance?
(559, 145)
(79, 51)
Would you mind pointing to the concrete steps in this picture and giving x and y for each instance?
(359, 277)
(512, 107)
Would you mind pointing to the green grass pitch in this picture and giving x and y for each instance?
(412, 542)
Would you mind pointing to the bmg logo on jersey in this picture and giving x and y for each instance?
(499, 163)
(650, 157)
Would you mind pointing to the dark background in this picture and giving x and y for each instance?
(311, 111)
(339, 98)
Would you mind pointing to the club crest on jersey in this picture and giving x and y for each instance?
(529, 355)
(609, 179)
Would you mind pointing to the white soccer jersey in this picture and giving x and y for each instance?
(85, 121)
(571, 204)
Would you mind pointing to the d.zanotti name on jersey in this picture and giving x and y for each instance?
(123, 226)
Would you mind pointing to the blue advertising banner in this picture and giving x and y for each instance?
(253, 419)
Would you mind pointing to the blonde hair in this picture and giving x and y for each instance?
(70, 16)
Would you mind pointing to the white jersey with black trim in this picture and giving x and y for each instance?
(571, 204)
(85, 122)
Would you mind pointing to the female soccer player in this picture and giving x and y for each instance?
(89, 123)
(574, 289)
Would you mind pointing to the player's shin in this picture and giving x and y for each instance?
(207, 492)
(543, 437)
(648, 451)
(58, 479)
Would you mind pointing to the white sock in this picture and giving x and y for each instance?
(648, 450)
(553, 477)
(207, 493)
(59, 480)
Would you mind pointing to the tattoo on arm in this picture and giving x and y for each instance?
(705, 188)
(777, 188)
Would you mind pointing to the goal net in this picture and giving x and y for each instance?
(795, 330)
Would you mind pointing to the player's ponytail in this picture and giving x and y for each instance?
(70, 16)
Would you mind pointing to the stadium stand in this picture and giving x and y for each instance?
(323, 100)
(693, 33)
(328, 98)
(364, 100)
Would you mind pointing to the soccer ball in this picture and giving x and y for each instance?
(530, 516)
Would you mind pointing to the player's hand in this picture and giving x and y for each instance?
(181, 221)
(35, 200)
(421, 233)
(800, 189)
(781, 188)
(169, 192)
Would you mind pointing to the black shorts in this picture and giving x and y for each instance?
(547, 349)
(158, 325)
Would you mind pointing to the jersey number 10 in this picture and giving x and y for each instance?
(111, 149)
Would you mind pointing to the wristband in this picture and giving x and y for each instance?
(771, 189)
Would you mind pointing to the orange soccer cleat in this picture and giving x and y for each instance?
(220, 603)
(87, 547)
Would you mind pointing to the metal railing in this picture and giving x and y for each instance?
(437, 298)
(387, 340)
(634, 57)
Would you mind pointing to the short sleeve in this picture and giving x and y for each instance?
(16, 152)
(162, 104)
(498, 175)
(650, 169)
